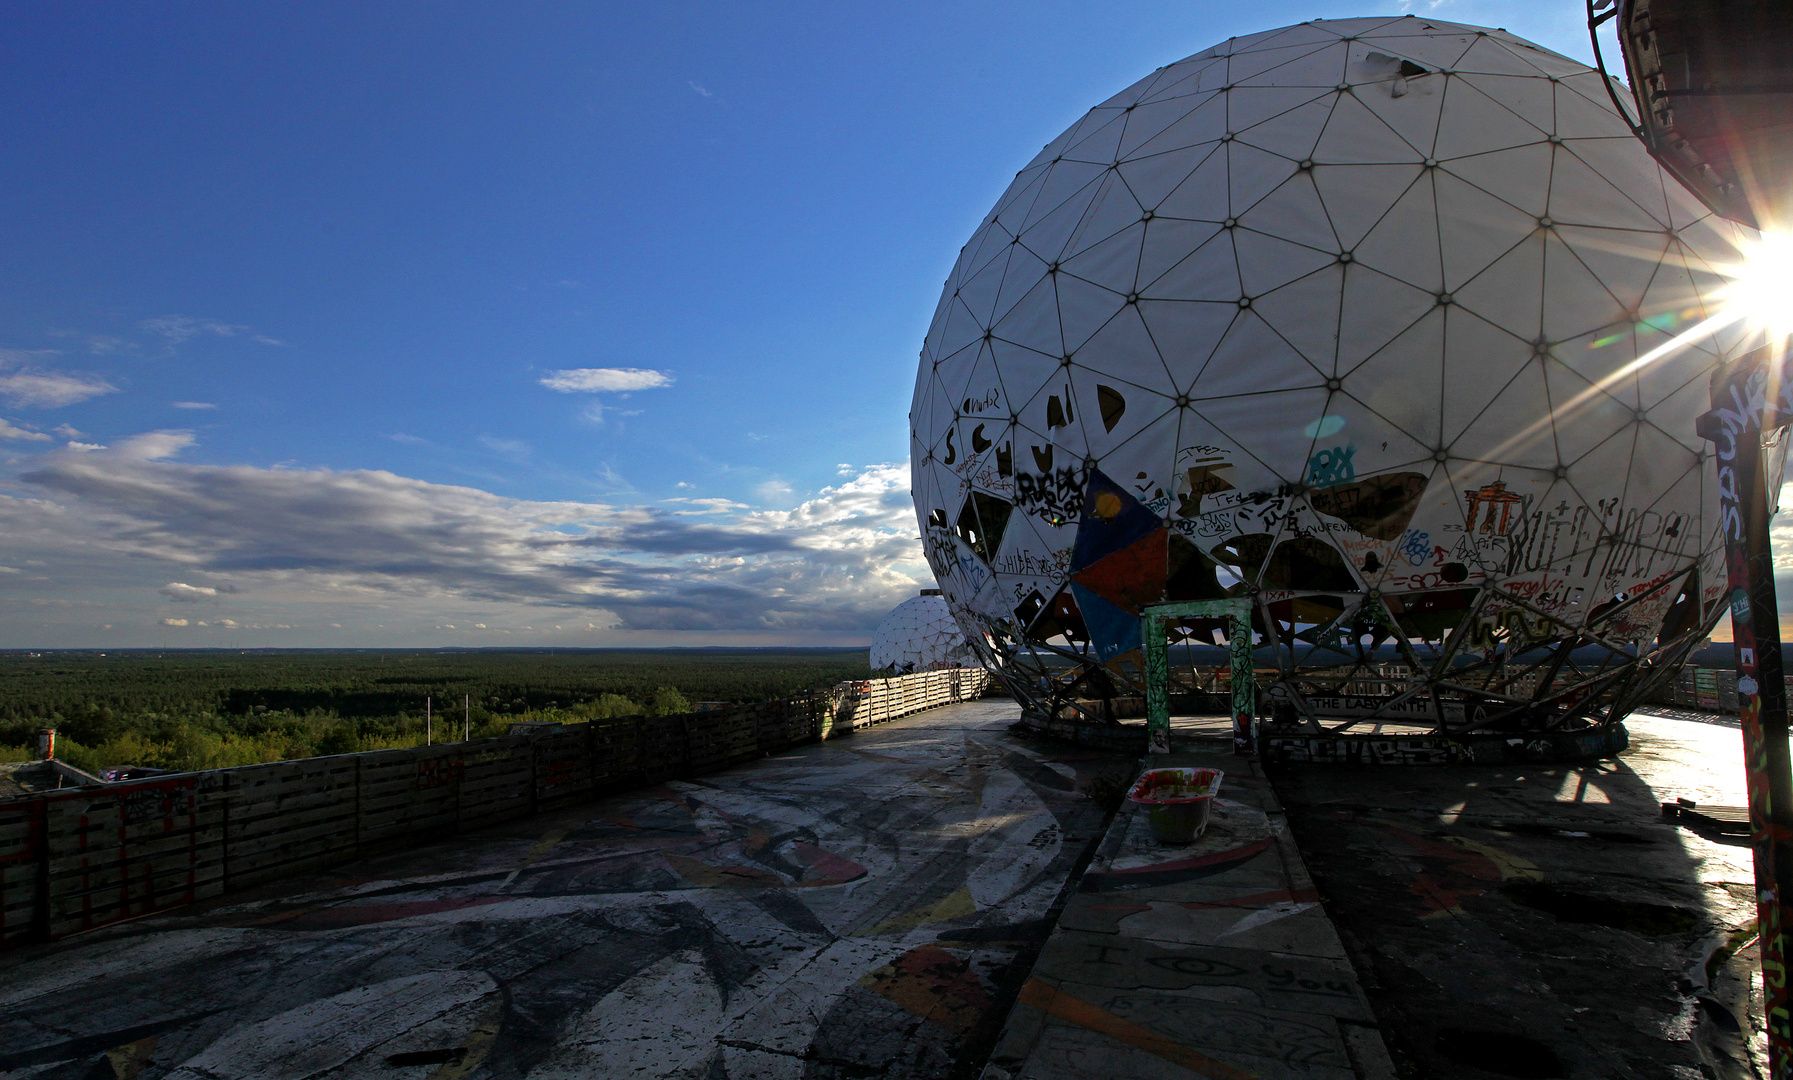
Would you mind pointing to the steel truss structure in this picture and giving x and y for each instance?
(1531, 674)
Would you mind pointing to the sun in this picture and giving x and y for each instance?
(1760, 292)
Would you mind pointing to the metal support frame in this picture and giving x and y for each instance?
(1749, 397)
(1152, 621)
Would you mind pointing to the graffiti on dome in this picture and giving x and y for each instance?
(1606, 542)
(1493, 504)
(1332, 466)
(1054, 495)
(979, 467)
(981, 402)
(1055, 565)
(1414, 548)
(1376, 506)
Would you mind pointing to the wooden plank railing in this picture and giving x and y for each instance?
(80, 858)
(1708, 689)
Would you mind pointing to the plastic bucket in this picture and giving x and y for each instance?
(1177, 801)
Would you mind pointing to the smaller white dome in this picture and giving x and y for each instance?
(920, 635)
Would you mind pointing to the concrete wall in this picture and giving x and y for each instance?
(85, 857)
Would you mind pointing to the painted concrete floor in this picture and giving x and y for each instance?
(866, 907)
(1544, 921)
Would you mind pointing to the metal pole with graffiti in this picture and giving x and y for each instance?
(1697, 73)
(1749, 397)
(1152, 621)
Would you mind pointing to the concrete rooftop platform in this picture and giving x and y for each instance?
(863, 907)
(1544, 920)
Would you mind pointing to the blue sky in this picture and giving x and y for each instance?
(497, 324)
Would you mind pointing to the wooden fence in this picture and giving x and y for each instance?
(79, 858)
(1708, 689)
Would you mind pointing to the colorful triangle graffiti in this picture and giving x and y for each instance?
(1112, 630)
(1118, 565)
(1112, 519)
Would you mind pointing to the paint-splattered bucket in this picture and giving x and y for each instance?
(1178, 801)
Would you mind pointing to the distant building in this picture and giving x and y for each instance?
(21, 778)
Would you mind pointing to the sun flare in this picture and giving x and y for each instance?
(1760, 291)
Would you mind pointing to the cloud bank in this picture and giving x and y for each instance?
(834, 564)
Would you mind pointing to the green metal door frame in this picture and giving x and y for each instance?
(1152, 621)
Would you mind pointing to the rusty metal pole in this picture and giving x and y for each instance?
(1735, 428)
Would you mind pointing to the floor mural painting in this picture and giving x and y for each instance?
(1214, 961)
(854, 908)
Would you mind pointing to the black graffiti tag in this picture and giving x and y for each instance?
(1055, 496)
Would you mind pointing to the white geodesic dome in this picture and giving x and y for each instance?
(920, 635)
(1341, 316)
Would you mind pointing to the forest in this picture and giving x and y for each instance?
(207, 709)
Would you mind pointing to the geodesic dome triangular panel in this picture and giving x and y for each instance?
(1350, 311)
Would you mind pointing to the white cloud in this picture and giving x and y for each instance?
(700, 90)
(174, 622)
(97, 344)
(179, 328)
(66, 431)
(773, 491)
(511, 449)
(619, 484)
(193, 405)
(182, 593)
(707, 506)
(27, 389)
(12, 431)
(605, 380)
(85, 446)
(154, 445)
